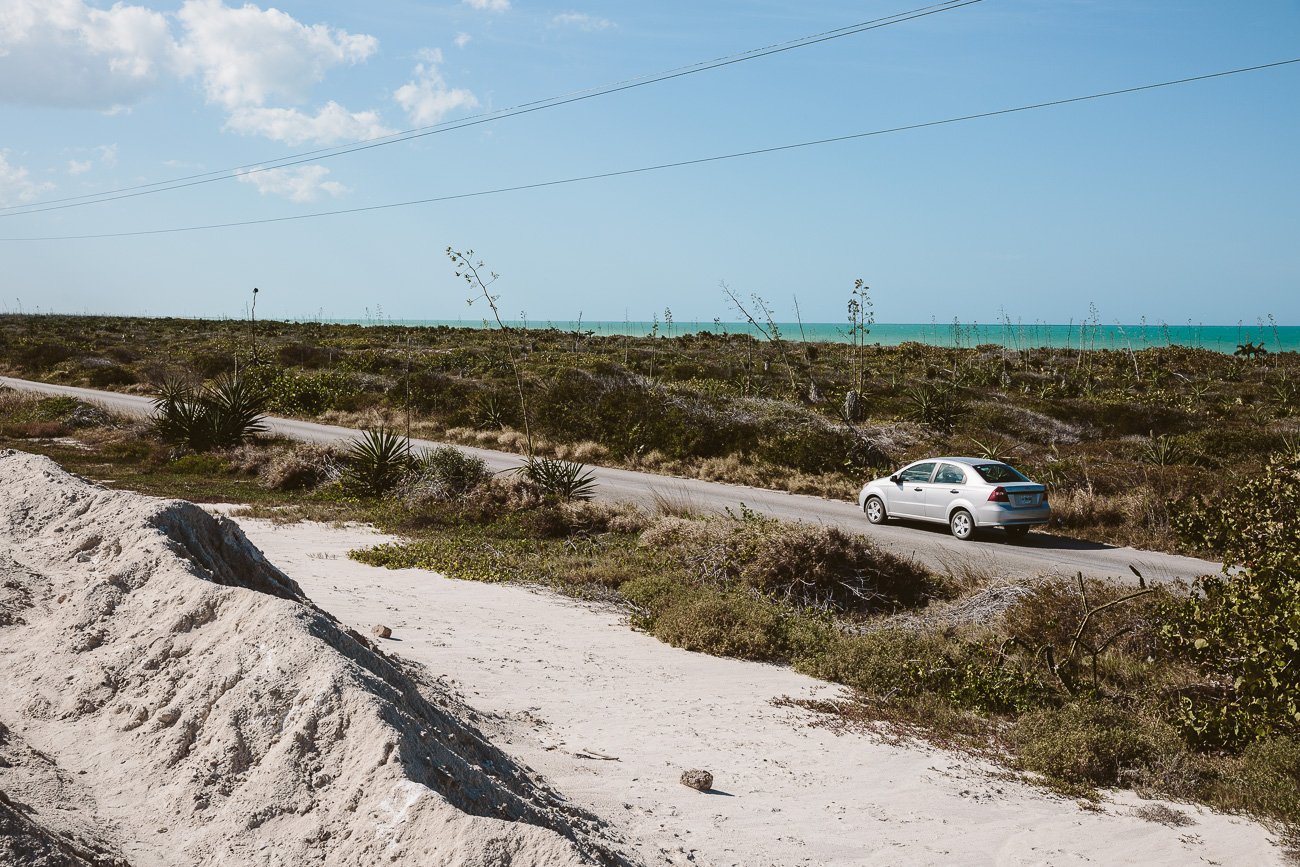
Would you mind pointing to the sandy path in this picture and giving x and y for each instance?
(572, 685)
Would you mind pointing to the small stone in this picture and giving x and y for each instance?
(381, 631)
(697, 779)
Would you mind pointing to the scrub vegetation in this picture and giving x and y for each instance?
(1127, 439)
(1079, 683)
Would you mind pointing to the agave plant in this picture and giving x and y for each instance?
(993, 450)
(378, 462)
(564, 480)
(1162, 450)
(220, 415)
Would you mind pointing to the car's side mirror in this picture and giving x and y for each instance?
(895, 478)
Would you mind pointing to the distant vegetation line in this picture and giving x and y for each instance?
(1016, 335)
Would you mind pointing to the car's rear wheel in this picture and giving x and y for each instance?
(962, 524)
(875, 510)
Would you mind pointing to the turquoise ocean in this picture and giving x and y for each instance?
(1015, 335)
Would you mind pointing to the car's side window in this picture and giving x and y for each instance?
(950, 475)
(918, 473)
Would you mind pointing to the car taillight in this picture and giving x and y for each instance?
(999, 495)
(1044, 496)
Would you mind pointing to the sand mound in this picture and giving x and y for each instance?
(170, 697)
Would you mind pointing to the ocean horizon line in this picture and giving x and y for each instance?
(1088, 334)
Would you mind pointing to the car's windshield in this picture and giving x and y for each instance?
(998, 473)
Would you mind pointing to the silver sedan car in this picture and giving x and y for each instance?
(965, 493)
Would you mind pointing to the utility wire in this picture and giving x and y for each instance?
(473, 120)
(672, 165)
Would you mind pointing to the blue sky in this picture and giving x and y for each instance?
(1177, 204)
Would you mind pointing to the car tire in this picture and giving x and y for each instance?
(962, 525)
(1017, 532)
(875, 510)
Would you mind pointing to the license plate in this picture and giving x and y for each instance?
(1026, 499)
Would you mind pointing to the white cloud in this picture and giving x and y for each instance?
(249, 55)
(258, 65)
(80, 167)
(107, 155)
(295, 183)
(66, 53)
(462, 39)
(330, 125)
(426, 98)
(16, 184)
(582, 21)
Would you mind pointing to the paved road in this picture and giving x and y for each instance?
(931, 545)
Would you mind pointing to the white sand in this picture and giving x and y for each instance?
(611, 718)
(169, 698)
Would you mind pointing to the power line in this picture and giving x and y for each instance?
(673, 165)
(474, 120)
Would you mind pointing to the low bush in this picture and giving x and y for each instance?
(1241, 627)
(35, 430)
(110, 375)
(198, 465)
(1086, 744)
(801, 565)
(444, 473)
(302, 466)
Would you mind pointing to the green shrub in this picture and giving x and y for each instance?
(629, 415)
(1242, 628)
(1086, 744)
(1264, 781)
(308, 393)
(464, 559)
(198, 465)
(56, 408)
(448, 473)
(801, 565)
(110, 375)
(885, 662)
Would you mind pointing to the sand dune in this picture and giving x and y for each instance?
(170, 697)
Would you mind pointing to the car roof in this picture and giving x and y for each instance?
(968, 461)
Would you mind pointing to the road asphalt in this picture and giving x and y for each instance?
(991, 553)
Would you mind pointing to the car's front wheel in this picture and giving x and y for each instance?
(962, 524)
(875, 510)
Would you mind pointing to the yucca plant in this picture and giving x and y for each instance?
(993, 450)
(220, 415)
(1162, 450)
(378, 462)
(564, 480)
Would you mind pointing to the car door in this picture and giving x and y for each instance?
(949, 484)
(907, 499)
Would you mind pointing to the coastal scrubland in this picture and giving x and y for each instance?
(1126, 439)
(1081, 684)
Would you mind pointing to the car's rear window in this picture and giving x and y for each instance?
(998, 473)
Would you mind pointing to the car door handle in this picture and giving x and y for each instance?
(954, 491)
(918, 489)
